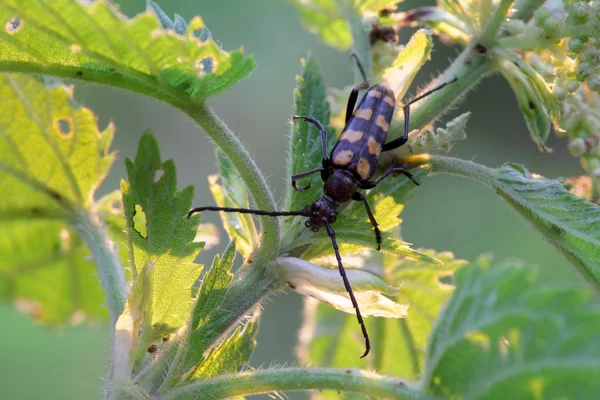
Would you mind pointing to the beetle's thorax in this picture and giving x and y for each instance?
(340, 186)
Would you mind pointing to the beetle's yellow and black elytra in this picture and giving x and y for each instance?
(349, 166)
(361, 141)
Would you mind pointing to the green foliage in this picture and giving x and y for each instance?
(52, 159)
(506, 334)
(96, 43)
(502, 333)
(161, 245)
(571, 224)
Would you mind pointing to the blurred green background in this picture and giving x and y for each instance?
(447, 213)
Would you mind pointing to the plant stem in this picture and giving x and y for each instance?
(248, 170)
(493, 25)
(526, 8)
(455, 166)
(110, 270)
(265, 381)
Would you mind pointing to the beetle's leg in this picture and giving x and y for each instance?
(394, 144)
(302, 175)
(326, 164)
(390, 170)
(352, 100)
(359, 197)
(349, 289)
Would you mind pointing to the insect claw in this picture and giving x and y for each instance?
(300, 188)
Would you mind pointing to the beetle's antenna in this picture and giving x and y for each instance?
(360, 67)
(349, 290)
(247, 211)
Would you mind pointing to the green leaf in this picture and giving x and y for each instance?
(231, 191)
(233, 354)
(506, 334)
(162, 247)
(306, 149)
(52, 158)
(400, 345)
(206, 318)
(570, 223)
(435, 141)
(530, 102)
(95, 42)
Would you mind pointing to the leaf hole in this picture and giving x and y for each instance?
(139, 221)
(14, 25)
(206, 65)
(75, 48)
(64, 126)
(446, 280)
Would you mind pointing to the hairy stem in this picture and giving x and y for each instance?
(266, 381)
(249, 172)
(110, 270)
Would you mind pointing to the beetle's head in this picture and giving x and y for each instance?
(320, 212)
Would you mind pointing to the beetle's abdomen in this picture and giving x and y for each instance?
(359, 144)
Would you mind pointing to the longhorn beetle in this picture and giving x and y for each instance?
(349, 167)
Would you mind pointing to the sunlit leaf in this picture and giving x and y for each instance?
(162, 247)
(401, 344)
(52, 159)
(233, 354)
(506, 334)
(93, 41)
(401, 73)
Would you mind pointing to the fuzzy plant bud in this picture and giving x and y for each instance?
(580, 10)
(559, 93)
(515, 27)
(593, 82)
(575, 45)
(541, 16)
(572, 86)
(577, 147)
